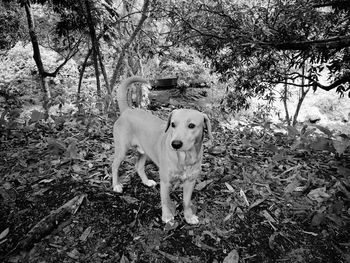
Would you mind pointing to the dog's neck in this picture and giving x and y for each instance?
(188, 158)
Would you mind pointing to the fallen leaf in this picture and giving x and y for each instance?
(343, 171)
(318, 194)
(106, 146)
(232, 257)
(129, 199)
(292, 131)
(74, 254)
(7, 185)
(272, 243)
(216, 150)
(76, 168)
(72, 151)
(228, 217)
(85, 234)
(172, 224)
(46, 181)
(340, 146)
(37, 116)
(271, 147)
(240, 213)
(336, 219)
(229, 187)
(4, 233)
(203, 184)
(291, 187)
(242, 194)
(41, 192)
(317, 219)
(55, 146)
(268, 216)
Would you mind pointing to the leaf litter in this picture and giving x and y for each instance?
(259, 200)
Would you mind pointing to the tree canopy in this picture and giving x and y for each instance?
(236, 33)
(258, 44)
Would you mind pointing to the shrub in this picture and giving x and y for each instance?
(188, 65)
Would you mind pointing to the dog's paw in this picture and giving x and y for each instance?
(118, 188)
(150, 183)
(168, 219)
(192, 219)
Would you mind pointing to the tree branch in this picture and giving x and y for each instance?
(329, 43)
(345, 79)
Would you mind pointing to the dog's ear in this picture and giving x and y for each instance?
(207, 127)
(198, 142)
(168, 122)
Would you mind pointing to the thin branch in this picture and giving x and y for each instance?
(289, 83)
(345, 79)
(68, 57)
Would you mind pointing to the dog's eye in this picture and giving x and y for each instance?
(191, 126)
(173, 124)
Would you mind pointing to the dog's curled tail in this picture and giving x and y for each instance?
(123, 91)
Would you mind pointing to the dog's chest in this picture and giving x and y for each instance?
(185, 173)
(185, 169)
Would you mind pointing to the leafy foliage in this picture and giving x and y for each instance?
(11, 29)
(186, 64)
(237, 35)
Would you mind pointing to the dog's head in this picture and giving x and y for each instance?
(187, 128)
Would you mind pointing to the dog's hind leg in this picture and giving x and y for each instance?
(140, 168)
(120, 152)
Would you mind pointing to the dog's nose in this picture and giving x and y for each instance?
(176, 144)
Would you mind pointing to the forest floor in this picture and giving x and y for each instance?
(254, 204)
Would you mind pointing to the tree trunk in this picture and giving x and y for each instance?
(285, 98)
(94, 44)
(301, 97)
(104, 73)
(117, 69)
(37, 58)
(81, 73)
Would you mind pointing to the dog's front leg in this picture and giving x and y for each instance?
(190, 217)
(167, 213)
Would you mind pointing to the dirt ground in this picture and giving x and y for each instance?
(253, 205)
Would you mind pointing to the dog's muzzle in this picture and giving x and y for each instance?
(176, 144)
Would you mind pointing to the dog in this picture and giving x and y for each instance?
(175, 146)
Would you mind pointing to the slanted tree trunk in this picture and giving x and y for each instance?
(302, 95)
(81, 73)
(104, 73)
(37, 57)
